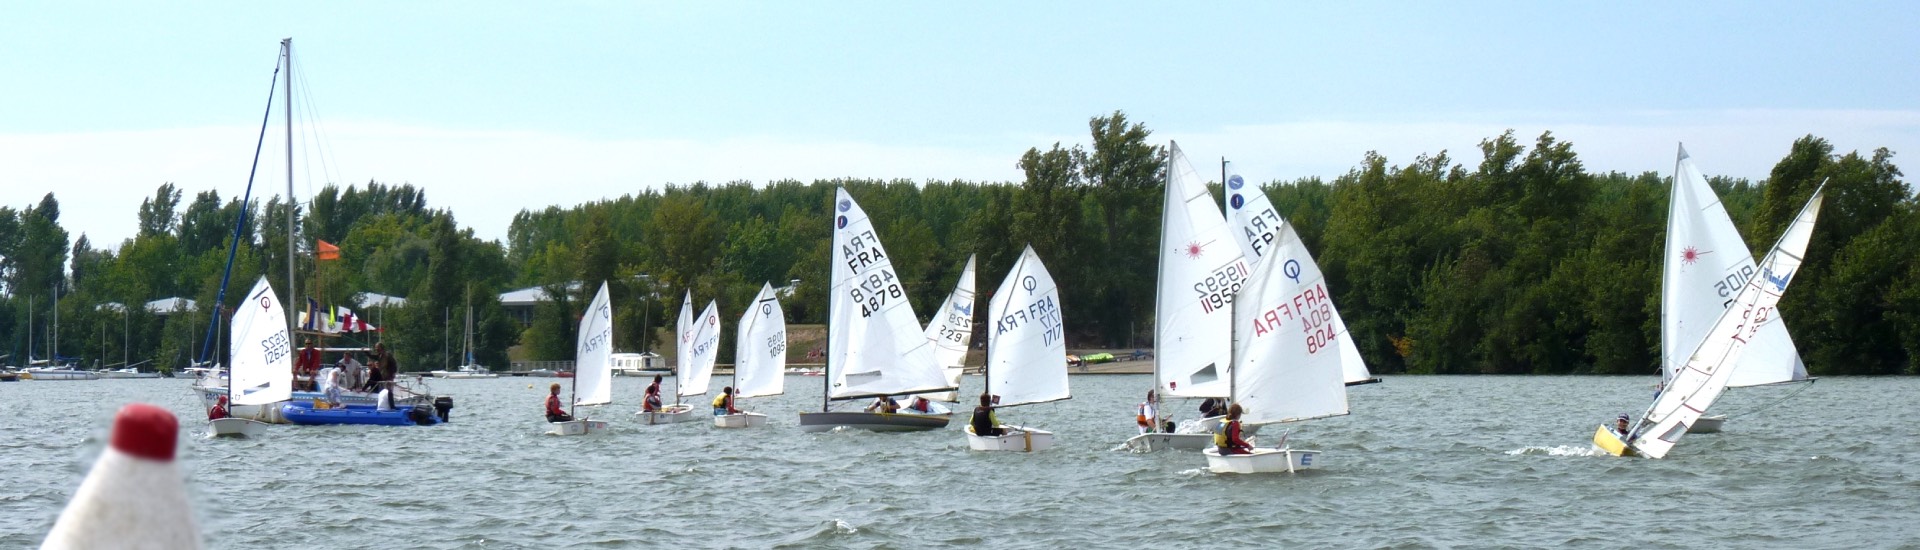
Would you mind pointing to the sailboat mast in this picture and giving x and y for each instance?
(1673, 192)
(293, 292)
(1233, 328)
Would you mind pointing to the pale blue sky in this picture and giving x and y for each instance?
(494, 107)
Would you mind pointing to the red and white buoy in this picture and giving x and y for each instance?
(134, 497)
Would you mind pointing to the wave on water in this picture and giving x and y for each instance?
(1557, 450)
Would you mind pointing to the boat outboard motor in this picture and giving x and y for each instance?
(444, 405)
(421, 415)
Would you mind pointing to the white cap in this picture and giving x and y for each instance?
(134, 496)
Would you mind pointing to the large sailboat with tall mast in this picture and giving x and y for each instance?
(876, 347)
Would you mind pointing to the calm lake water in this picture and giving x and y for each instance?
(1422, 462)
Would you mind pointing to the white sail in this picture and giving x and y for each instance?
(952, 329)
(1200, 271)
(1258, 227)
(1288, 364)
(702, 342)
(1706, 263)
(875, 344)
(1708, 369)
(760, 351)
(682, 334)
(593, 353)
(261, 350)
(1026, 340)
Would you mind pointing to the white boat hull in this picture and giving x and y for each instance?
(1017, 438)
(878, 422)
(670, 414)
(577, 427)
(1707, 424)
(742, 420)
(236, 427)
(1146, 443)
(1262, 461)
(64, 375)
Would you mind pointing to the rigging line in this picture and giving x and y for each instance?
(321, 144)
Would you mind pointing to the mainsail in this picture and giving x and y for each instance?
(1200, 271)
(760, 352)
(701, 345)
(1026, 340)
(1259, 229)
(261, 351)
(875, 344)
(1705, 265)
(1288, 364)
(593, 353)
(951, 330)
(1708, 369)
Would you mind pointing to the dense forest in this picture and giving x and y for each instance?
(1522, 262)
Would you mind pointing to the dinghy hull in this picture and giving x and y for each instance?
(670, 414)
(1605, 440)
(1018, 438)
(236, 427)
(742, 420)
(878, 422)
(1262, 461)
(577, 427)
(1707, 424)
(1146, 443)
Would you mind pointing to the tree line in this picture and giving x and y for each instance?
(1522, 262)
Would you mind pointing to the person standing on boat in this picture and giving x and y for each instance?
(723, 404)
(554, 412)
(985, 424)
(652, 401)
(390, 368)
(1230, 439)
(1147, 415)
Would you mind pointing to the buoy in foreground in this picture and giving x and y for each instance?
(134, 496)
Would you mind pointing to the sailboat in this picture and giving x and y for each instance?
(951, 330)
(1288, 362)
(759, 358)
(1260, 229)
(469, 369)
(1710, 367)
(699, 347)
(1026, 353)
(262, 360)
(593, 367)
(1201, 268)
(875, 345)
(1706, 261)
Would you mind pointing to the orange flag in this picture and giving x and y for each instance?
(327, 251)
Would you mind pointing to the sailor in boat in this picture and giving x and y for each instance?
(1147, 414)
(1212, 407)
(219, 409)
(1620, 427)
(554, 412)
(985, 424)
(1229, 439)
(884, 404)
(723, 404)
(652, 401)
(920, 406)
(330, 384)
